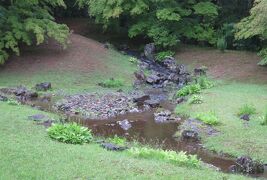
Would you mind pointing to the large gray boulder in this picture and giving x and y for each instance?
(149, 51)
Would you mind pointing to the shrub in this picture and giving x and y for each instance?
(246, 109)
(221, 44)
(118, 140)
(180, 158)
(264, 119)
(204, 82)
(209, 118)
(162, 55)
(13, 102)
(70, 133)
(196, 99)
(112, 83)
(189, 90)
(133, 60)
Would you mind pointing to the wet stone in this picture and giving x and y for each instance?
(165, 116)
(152, 103)
(189, 135)
(149, 51)
(245, 164)
(125, 124)
(140, 99)
(37, 117)
(112, 147)
(3, 98)
(43, 86)
(245, 117)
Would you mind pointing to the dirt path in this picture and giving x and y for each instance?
(83, 54)
(232, 65)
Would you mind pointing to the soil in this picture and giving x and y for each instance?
(83, 55)
(231, 65)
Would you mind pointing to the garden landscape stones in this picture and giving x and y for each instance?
(112, 147)
(125, 124)
(3, 98)
(149, 51)
(246, 165)
(245, 117)
(45, 86)
(22, 93)
(37, 117)
(165, 116)
(189, 135)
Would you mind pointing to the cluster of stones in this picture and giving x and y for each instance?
(162, 73)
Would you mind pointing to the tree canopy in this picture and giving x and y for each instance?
(255, 25)
(28, 21)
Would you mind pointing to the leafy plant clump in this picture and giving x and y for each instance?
(189, 90)
(209, 118)
(112, 83)
(246, 109)
(133, 60)
(195, 99)
(162, 55)
(221, 44)
(118, 140)
(13, 102)
(264, 119)
(205, 83)
(180, 158)
(70, 133)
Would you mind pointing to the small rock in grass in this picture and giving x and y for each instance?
(112, 147)
(37, 117)
(245, 164)
(190, 135)
(245, 117)
(3, 98)
(43, 86)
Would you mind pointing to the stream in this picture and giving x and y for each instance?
(145, 130)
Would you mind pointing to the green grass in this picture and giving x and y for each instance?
(246, 109)
(235, 138)
(74, 81)
(27, 152)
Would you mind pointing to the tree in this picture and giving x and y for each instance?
(166, 22)
(28, 21)
(255, 25)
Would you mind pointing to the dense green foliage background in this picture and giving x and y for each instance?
(237, 24)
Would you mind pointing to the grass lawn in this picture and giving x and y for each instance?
(115, 66)
(235, 137)
(26, 152)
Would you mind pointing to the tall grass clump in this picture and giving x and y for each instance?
(264, 119)
(246, 109)
(70, 133)
(209, 118)
(112, 83)
(189, 90)
(180, 158)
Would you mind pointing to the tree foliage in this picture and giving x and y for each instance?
(255, 25)
(28, 21)
(166, 22)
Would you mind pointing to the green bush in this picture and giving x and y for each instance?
(162, 55)
(70, 133)
(195, 99)
(189, 90)
(133, 60)
(221, 44)
(112, 83)
(13, 102)
(246, 109)
(180, 158)
(264, 119)
(205, 83)
(209, 118)
(118, 140)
